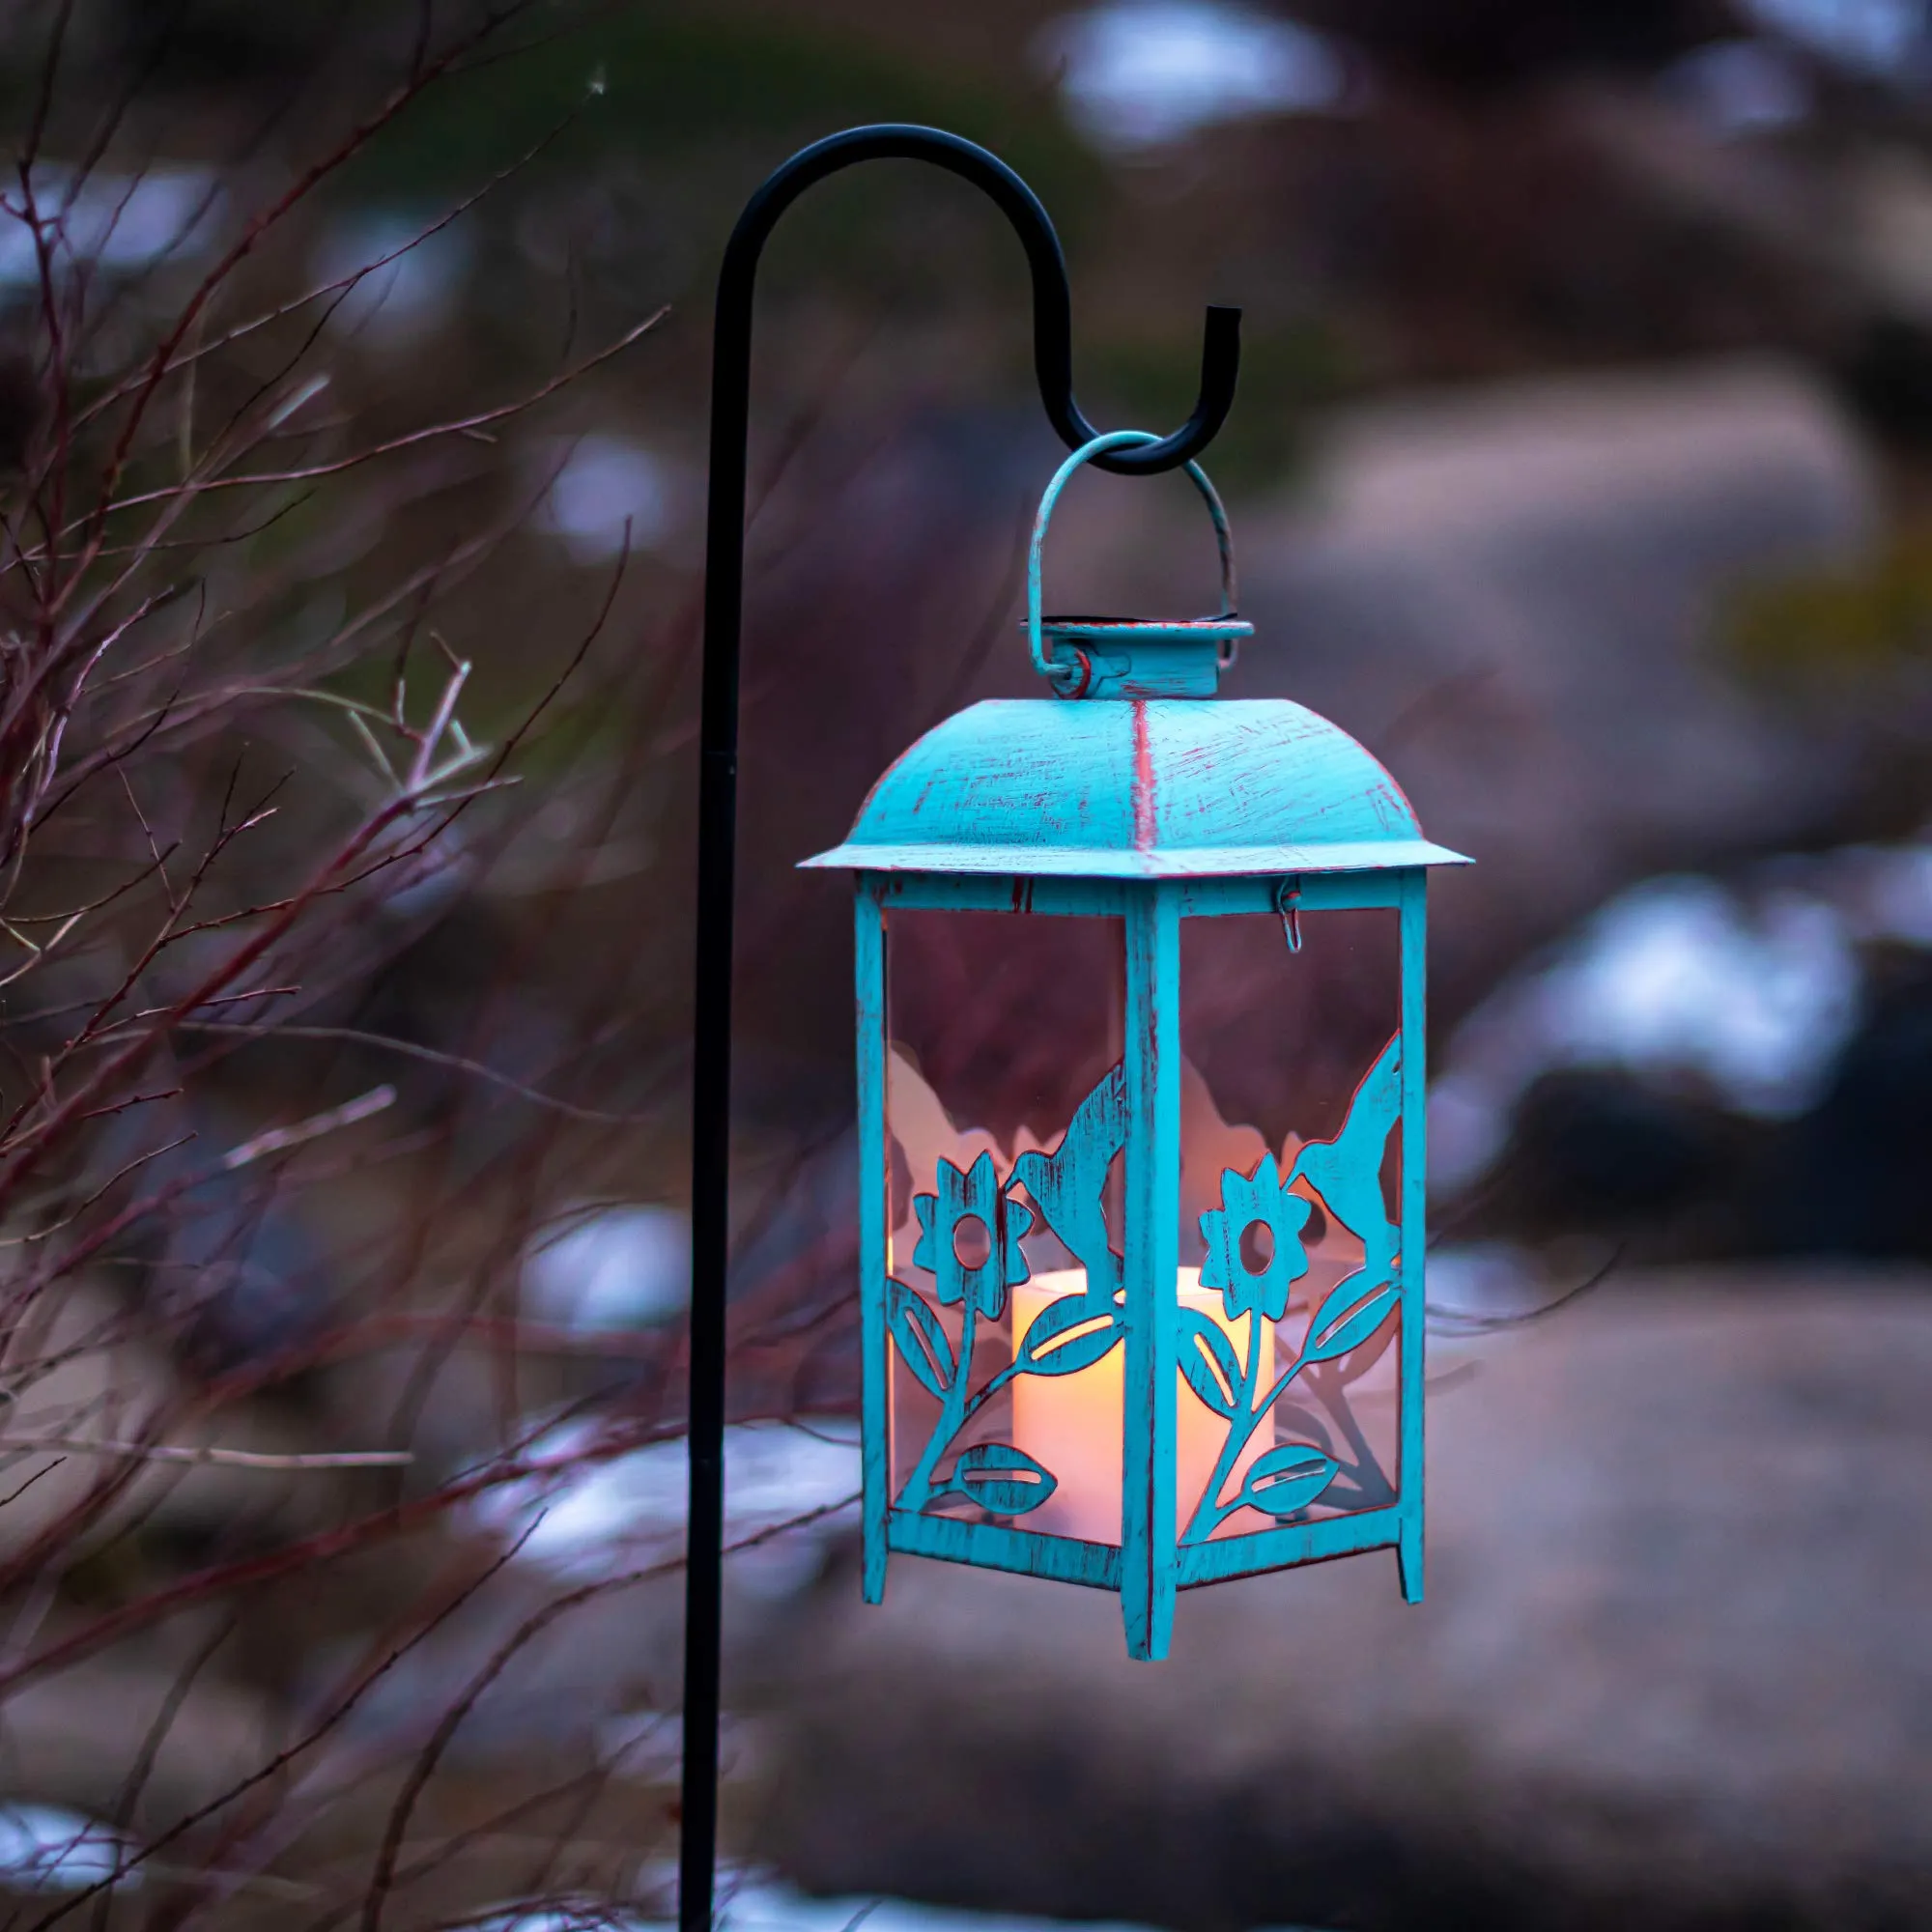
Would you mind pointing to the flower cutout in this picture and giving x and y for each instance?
(1248, 1200)
(967, 1260)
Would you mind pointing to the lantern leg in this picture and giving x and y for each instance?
(869, 994)
(1152, 1061)
(1415, 892)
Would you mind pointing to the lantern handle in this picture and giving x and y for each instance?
(1119, 438)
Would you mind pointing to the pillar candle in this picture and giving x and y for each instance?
(1073, 1424)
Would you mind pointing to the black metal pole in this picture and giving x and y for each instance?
(717, 826)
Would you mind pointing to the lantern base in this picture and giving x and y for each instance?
(990, 1546)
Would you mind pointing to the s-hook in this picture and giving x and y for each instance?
(717, 823)
(1288, 903)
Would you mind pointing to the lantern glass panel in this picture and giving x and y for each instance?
(998, 1027)
(1291, 1190)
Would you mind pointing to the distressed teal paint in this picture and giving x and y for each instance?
(1347, 1170)
(959, 892)
(1068, 1184)
(1132, 657)
(976, 1195)
(1258, 1196)
(1152, 1061)
(1070, 897)
(1155, 788)
(1322, 891)
(1312, 1541)
(995, 1546)
(1122, 802)
(869, 1012)
(1415, 1224)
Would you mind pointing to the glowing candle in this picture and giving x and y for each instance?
(1073, 1424)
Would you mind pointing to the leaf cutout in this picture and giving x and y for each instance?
(1207, 1360)
(1329, 1336)
(921, 1341)
(1004, 1481)
(1051, 1347)
(1287, 1478)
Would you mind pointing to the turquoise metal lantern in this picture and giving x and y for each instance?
(1154, 1319)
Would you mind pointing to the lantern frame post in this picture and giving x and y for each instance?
(717, 827)
(1150, 1238)
(874, 1195)
(1412, 914)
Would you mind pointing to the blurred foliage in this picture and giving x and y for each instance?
(1845, 621)
(689, 105)
(658, 123)
(670, 82)
(1484, 44)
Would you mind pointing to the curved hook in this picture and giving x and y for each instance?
(1052, 304)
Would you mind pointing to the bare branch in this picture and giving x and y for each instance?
(279, 1139)
(415, 439)
(410, 1049)
(225, 1459)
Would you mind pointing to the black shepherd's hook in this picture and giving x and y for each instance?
(716, 822)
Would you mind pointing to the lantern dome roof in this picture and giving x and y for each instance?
(1152, 789)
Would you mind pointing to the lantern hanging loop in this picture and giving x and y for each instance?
(1057, 674)
(1288, 903)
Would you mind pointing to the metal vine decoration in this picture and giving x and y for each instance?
(1344, 1334)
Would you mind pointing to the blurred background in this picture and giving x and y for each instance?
(353, 389)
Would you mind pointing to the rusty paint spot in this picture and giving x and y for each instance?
(1143, 779)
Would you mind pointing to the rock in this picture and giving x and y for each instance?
(1708, 1071)
(1510, 596)
(1479, 48)
(1671, 1671)
(1849, 1178)
(1592, 1148)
